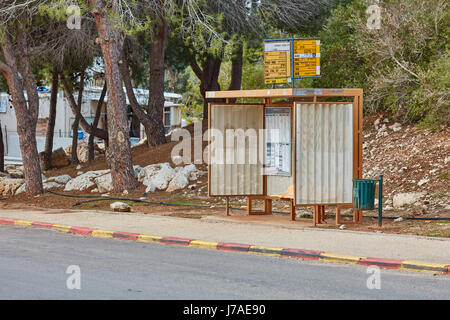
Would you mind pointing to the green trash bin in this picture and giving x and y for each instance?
(364, 194)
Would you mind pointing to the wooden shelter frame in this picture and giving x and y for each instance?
(291, 97)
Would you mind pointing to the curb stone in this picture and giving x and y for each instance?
(410, 265)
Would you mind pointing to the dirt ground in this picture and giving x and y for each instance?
(186, 206)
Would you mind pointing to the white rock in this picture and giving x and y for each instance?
(83, 152)
(125, 192)
(51, 185)
(137, 170)
(94, 190)
(447, 159)
(84, 181)
(120, 206)
(104, 183)
(15, 174)
(342, 227)
(150, 171)
(402, 199)
(160, 177)
(196, 174)
(180, 181)
(150, 188)
(377, 123)
(101, 146)
(9, 186)
(402, 169)
(422, 182)
(21, 189)
(63, 179)
(396, 127)
(79, 167)
(398, 219)
(177, 169)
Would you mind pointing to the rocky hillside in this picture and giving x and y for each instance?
(415, 164)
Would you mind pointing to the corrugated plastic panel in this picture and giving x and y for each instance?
(231, 174)
(324, 164)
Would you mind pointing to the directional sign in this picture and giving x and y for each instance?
(306, 58)
(277, 61)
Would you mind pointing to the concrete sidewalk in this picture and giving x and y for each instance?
(287, 235)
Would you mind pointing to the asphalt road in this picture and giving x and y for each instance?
(33, 265)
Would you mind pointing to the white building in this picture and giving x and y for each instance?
(65, 117)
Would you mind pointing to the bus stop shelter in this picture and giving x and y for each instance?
(308, 143)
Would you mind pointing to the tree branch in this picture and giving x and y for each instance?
(194, 65)
(4, 68)
(100, 133)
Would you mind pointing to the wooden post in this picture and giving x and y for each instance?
(292, 210)
(268, 206)
(338, 215)
(228, 205)
(315, 215)
(322, 214)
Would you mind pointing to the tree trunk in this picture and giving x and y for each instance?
(138, 110)
(118, 153)
(210, 80)
(98, 113)
(156, 97)
(208, 76)
(47, 156)
(26, 112)
(236, 67)
(76, 122)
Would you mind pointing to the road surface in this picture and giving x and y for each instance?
(33, 265)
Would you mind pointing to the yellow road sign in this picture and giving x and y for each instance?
(277, 61)
(275, 81)
(306, 58)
